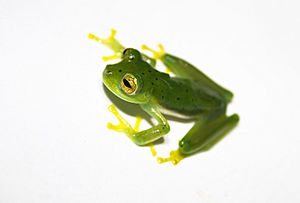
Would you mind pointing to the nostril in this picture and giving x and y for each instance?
(108, 72)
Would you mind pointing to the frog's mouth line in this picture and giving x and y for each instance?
(109, 84)
(114, 88)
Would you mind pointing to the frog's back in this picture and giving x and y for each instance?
(186, 97)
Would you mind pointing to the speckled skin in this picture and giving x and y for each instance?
(190, 93)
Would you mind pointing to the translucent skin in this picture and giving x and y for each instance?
(184, 96)
(190, 94)
(203, 100)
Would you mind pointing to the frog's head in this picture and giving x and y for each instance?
(126, 78)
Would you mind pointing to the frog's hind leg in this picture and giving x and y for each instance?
(202, 137)
(183, 69)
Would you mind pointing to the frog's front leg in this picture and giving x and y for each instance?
(110, 42)
(146, 136)
(157, 55)
(124, 126)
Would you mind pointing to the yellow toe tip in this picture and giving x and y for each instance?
(109, 125)
(90, 36)
(160, 160)
(144, 47)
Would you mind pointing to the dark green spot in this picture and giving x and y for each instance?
(120, 71)
(178, 98)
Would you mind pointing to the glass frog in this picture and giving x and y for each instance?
(190, 94)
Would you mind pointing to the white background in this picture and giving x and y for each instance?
(54, 144)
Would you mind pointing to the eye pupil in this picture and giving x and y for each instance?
(126, 83)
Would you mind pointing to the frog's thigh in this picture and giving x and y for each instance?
(204, 135)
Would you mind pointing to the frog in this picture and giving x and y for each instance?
(188, 93)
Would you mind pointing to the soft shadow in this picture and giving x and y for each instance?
(130, 109)
(136, 110)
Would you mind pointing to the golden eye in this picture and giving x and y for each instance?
(129, 84)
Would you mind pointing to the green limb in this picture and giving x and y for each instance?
(204, 135)
(152, 134)
(144, 137)
(183, 69)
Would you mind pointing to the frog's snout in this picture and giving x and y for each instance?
(108, 70)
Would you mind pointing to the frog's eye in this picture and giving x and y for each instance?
(131, 54)
(131, 57)
(129, 84)
(128, 52)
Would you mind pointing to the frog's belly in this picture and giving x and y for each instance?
(176, 114)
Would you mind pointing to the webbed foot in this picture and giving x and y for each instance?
(124, 126)
(157, 54)
(175, 157)
(110, 42)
